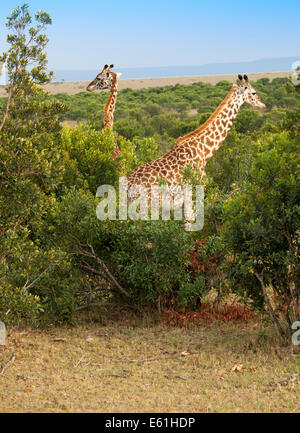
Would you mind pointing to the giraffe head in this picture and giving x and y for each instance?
(248, 93)
(104, 80)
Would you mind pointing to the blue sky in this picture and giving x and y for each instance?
(132, 33)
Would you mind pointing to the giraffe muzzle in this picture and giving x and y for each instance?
(91, 87)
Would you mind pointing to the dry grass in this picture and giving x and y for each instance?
(140, 367)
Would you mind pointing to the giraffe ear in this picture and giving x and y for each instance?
(119, 74)
(240, 77)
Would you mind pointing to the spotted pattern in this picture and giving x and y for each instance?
(197, 147)
(107, 80)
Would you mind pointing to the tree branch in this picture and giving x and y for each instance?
(94, 256)
(271, 312)
(27, 287)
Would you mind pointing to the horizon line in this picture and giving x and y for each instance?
(188, 66)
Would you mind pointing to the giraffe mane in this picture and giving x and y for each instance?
(111, 96)
(210, 119)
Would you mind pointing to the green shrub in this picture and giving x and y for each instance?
(92, 150)
(153, 261)
(18, 305)
(262, 231)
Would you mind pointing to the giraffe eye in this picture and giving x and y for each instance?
(107, 74)
(254, 93)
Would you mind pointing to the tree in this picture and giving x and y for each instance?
(31, 170)
(44, 172)
(26, 63)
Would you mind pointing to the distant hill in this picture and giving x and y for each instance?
(264, 65)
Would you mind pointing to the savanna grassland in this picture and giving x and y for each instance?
(135, 366)
(73, 87)
(58, 261)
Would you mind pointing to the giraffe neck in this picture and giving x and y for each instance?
(205, 140)
(110, 106)
(109, 113)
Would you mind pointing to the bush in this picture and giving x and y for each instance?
(92, 151)
(262, 231)
(153, 261)
(18, 305)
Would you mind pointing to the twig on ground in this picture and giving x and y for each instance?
(154, 358)
(164, 356)
(21, 376)
(116, 375)
(292, 378)
(11, 361)
(80, 360)
(175, 376)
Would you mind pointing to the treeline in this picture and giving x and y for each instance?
(172, 111)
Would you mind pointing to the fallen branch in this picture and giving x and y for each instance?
(10, 362)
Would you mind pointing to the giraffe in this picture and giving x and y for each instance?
(197, 147)
(108, 80)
